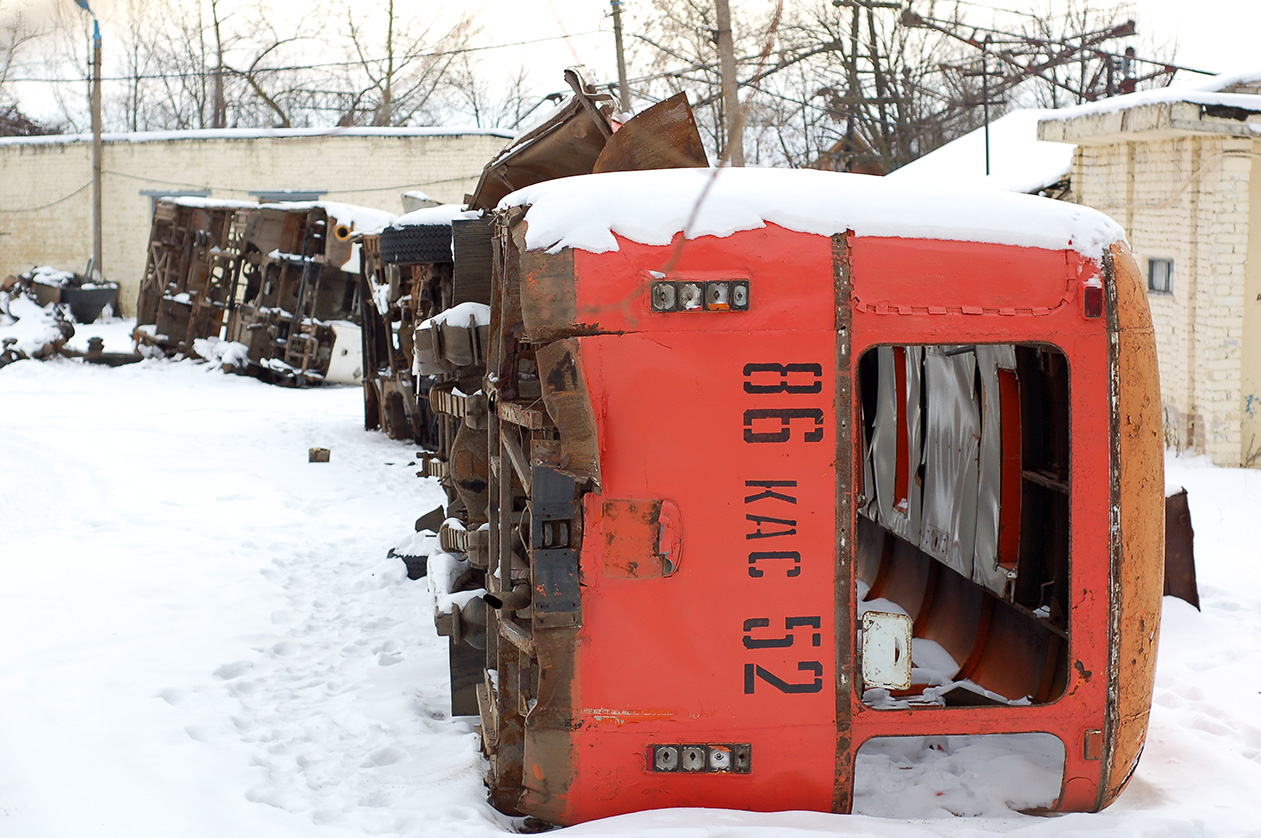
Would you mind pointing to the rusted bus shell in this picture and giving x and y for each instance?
(278, 278)
(748, 426)
(1138, 557)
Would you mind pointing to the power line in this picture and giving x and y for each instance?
(50, 203)
(315, 66)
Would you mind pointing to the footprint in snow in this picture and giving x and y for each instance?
(384, 756)
(233, 670)
(173, 696)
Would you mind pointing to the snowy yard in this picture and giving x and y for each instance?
(203, 635)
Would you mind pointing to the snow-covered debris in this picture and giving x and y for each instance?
(589, 212)
(416, 199)
(209, 203)
(222, 353)
(1019, 161)
(460, 317)
(357, 218)
(441, 214)
(36, 331)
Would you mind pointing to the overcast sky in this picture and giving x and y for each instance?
(1213, 35)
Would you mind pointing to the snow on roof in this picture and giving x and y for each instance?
(1215, 90)
(1019, 161)
(352, 215)
(650, 207)
(199, 202)
(441, 214)
(255, 134)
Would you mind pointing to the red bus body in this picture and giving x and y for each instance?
(724, 520)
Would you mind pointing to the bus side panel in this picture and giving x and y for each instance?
(730, 643)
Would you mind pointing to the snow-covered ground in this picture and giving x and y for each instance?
(202, 636)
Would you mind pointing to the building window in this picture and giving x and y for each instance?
(1160, 276)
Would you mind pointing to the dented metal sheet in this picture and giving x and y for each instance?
(951, 434)
(564, 391)
(661, 137)
(1180, 550)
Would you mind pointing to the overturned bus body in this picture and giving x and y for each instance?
(277, 282)
(761, 469)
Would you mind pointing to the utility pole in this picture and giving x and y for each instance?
(97, 272)
(730, 93)
(623, 87)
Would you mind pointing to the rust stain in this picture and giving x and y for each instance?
(1142, 521)
(569, 404)
(632, 539)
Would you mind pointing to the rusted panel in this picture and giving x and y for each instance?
(549, 759)
(568, 143)
(470, 465)
(1138, 566)
(569, 404)
(549, 307)
(526, 417)
(1180, 550)
(661, 137)
(844, 405)
(642, 538)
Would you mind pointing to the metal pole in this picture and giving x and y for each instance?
(985, 96)
(730, 94)
(97, 271)
(623, 86)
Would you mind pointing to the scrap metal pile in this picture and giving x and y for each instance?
(418, 365)
(269, 290)
(42, 306)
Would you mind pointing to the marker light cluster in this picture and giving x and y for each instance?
(696, 295)
(702, 759)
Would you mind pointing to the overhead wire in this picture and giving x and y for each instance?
(311, 66)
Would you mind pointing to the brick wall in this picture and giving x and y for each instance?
(1187, 199)
(46, 192)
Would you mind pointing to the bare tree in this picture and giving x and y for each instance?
(15, 35)
(869, 85)
(490, 100)
(400, 62)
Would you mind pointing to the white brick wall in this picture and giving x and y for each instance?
(46, 193)
(1189, 199)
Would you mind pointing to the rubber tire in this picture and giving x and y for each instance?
(416, 243)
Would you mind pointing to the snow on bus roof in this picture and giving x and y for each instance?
(650, 207)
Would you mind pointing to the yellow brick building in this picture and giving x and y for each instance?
(46, 182)
(1180, 169)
